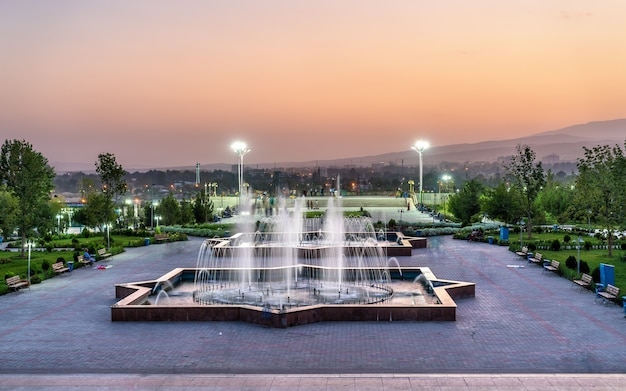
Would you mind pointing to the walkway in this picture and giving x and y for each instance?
(525, 329)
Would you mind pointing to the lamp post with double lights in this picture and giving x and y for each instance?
(419, 147)
(240, 148)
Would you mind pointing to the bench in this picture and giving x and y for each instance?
(609, 293)
(60, 268)
(553, 266)
(81, 259)
(523, 252)
(536, 258)
(584, 282)
(103, 254)
(161, 237)
(16, 283)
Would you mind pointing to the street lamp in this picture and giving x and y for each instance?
(578, 263)
(30, 245)
(419, 147)
(521, 231)
(59, 224)
(240, 148)
(157, 218)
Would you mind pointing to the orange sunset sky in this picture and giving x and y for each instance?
(172, 83)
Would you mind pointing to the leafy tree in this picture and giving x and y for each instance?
(169, 210)
(202, 208)
(466, 203)
(9, 211)
(555, 198)
(93, 213)
(501, 204)
(113, 183)
(600, 187)
(28, 175)
(527, 178)
(186, 212)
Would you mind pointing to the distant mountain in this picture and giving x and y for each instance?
(566, 143)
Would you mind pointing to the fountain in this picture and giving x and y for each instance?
(284, 269)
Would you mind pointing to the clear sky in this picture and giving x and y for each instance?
(176, 82)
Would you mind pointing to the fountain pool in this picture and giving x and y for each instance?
(286, 270)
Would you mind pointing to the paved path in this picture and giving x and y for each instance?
(523, 328)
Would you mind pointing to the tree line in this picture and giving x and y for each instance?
(526, 194)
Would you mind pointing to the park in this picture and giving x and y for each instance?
(527, 324)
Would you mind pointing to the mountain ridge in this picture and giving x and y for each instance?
(566, 143)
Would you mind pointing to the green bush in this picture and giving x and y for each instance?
(584, 267)
(35, 279)
(555, 245)
(532, 247)
(571, 263)
(567, 239)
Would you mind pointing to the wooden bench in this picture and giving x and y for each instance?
(161, 237)
(81, 259)
(523, 252)
(609, 293)
(553, 266)
(584, 282)
(60, 268)
(16, 283)
(536, 258)
(103, 254)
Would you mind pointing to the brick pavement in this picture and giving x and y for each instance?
(522, 322)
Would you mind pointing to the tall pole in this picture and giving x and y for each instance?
(29, 244)
(419, 147)
(240, 148)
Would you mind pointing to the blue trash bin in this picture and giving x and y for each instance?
(490, 239)
(70, 265)
(146, 241)
(624, 304)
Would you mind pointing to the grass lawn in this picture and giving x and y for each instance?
(593, 257)
(66, 249)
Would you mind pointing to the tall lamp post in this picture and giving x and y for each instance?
(419, 147)
(240, 148)
(30, 245)
(521, 232)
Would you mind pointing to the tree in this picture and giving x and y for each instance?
(465, 203)
(202, 208)
(600, 187)
(28, 175)
(9, 211)
(169, 210)
(186, 212)
(555, 198)
(113, 183)
(527, 178)
(501, 204)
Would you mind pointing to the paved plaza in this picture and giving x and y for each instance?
(525, 329)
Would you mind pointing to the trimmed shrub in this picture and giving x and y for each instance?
(532, 247)
(571, 263)
(584, 267)
(567, 239)
(555, 245)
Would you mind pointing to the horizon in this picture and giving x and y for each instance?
(160, 84)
